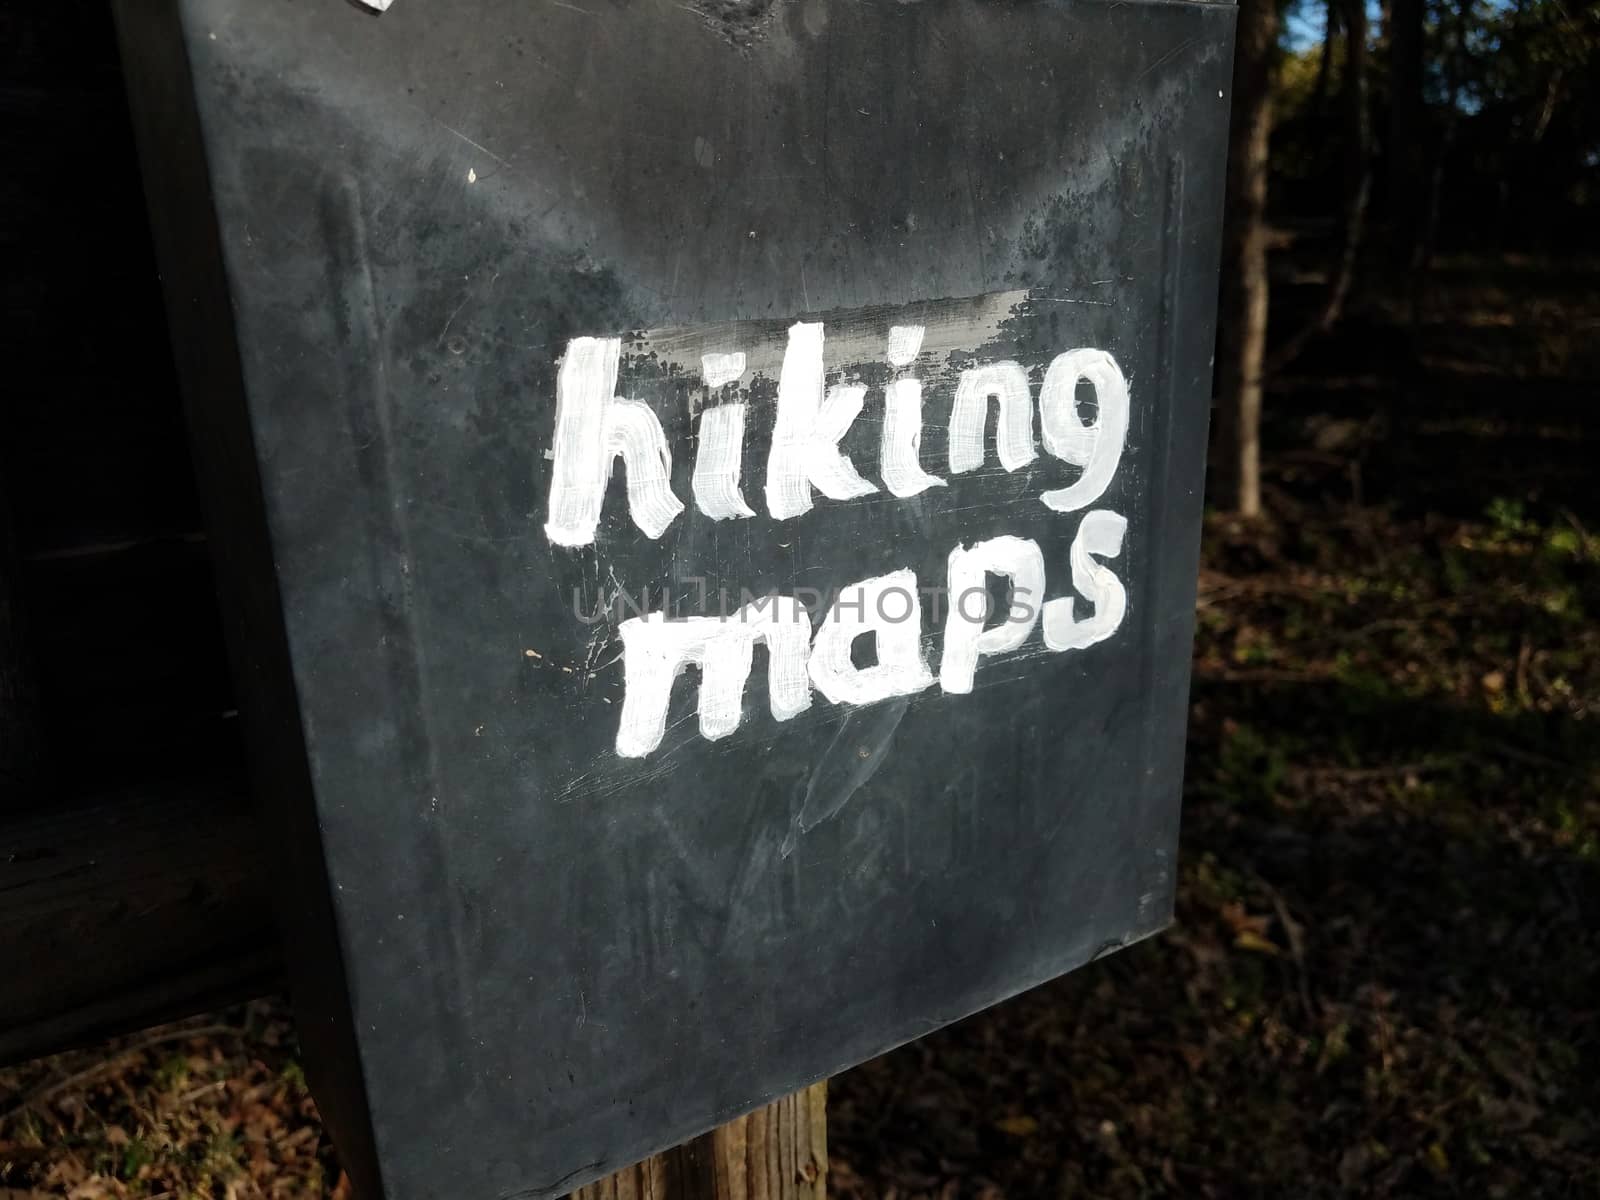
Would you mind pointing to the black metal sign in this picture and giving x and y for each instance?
(715, 500)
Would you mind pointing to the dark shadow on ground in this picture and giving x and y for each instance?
(1370, 990)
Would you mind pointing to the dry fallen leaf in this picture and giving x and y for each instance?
(1249, 939)
(1017, 1126)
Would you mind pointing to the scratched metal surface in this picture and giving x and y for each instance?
(558, 959)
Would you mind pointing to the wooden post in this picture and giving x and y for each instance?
(779, 1152)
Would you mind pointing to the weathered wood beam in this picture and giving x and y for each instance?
(129, 910)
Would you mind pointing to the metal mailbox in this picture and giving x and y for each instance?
(709, 496)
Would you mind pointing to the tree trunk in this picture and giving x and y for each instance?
(1358, 118)
(1320, 90)
(1357, 190)
(779, 1152)
(1358, 158)
(1427, 230)
(1242, 309)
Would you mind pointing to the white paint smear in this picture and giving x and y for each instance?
(1099, 534)
(1007, 383)
(806, 432)
(889, 607)
(656, 649)
(593, 429)
(718, 461)
(965, 638)
(584, 383)
(719, 370)
(633, 434)
(899, 458)
(951, 326)
(905, 343)
(831, 472)
(900, 452)
(1096, 448)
